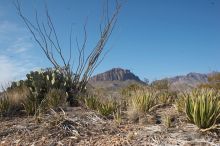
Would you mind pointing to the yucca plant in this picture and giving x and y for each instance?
(203, 108)
(92, 102)
(143, 101)
(180, 104)
(107, 108)
(166, 97)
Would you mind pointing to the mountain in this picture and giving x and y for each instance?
(187, 82)
(117, 78)
(116, 74)
(114, 79)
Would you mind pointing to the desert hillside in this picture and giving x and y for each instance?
(51, 50)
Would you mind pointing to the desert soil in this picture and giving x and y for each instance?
(79, 126)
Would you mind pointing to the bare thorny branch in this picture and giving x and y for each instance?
(45, 35)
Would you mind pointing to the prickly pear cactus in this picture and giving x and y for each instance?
(40, 82)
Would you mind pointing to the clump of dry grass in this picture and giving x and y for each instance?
(19, 98)
(92, 102)
(4, 105)
(106, 107)
(13, 99)
(55, 98)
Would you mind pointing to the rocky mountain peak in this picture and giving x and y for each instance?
(115, 74)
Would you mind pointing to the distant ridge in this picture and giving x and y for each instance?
(187, 82)
(119, 78)
(115, 74)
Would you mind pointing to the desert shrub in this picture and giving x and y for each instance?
(92, 102)
(40, 83)
(213, 82)
(142, 101)
(160, 84)
(55, 98)
(107, 108)
(203, 108)
(31, 105)
(44, 88)
(180, 103)
(166, 97)
(12, 99)
(127, 91)
(118, 115)
(17, 96)
(4, 105)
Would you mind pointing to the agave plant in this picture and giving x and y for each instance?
(203, 108)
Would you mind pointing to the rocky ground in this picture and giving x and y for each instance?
(80, 126)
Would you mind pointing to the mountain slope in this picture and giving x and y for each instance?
(188, 81)
(119, 78)
(116, 74)
(114, 79)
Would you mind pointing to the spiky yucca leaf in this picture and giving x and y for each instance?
(203, 107)
(143, 101)
(92, 102)
(107, 108)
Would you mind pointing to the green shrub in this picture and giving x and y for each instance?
(118, 116)
(55, 98)
(41, 90)
(180, 104)
(166, 97)
(127, 91)
(92, 102)
(4, 105)
(107, 108)
(142, 101)
(40, 83)
(203, 108)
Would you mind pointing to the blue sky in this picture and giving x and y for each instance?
(153, 38)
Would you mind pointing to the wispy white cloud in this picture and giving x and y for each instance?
(12, 69)
(6, 68)
(16, 58)
(20, 45)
